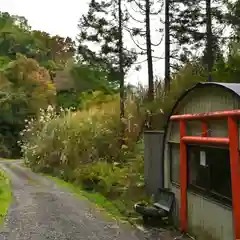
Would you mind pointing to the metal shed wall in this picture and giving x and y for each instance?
(153, 161)
(207, 219)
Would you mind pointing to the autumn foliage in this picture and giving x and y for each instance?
(24, 88)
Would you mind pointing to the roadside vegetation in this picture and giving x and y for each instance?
(82, 147)
(60, 101)
(5, 195)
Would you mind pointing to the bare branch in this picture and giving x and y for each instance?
(139, 53)
(140, 10)
(175, 58)
(157, 44)
(159, 58)
(131, 29)
(140, 62)
(134, 18)
(139, 5)
(137, 44)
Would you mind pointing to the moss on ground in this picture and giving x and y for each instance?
(5, 195)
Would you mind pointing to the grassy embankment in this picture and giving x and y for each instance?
(5, 195)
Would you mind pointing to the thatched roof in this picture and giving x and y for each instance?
(63, 80)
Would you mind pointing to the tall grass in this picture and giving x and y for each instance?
(83, 147)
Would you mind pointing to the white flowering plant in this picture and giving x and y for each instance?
(64, 139)
(84, 147)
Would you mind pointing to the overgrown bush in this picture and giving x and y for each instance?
(83, 147)
(68, 99)
(24, 88)
(78, 137)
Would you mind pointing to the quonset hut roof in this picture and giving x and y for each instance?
(234, 88)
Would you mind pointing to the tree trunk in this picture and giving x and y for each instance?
(149, 52)
(210, 58)
(149, 60)
(167, 48)
(121, 73)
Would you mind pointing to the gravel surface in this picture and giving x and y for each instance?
(41, 210)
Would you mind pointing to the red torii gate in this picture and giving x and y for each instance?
(233, 143)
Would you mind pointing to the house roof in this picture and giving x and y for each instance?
(63, 81)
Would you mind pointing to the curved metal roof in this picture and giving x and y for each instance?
(232, 87)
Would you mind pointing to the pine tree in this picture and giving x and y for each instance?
(141, 28)
(209, 39)
(167, 79)
(99, 39)
(188, 27)
(121, 71)
(233, 18)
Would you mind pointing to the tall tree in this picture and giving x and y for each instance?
(16, 37)
(209, 45)
(188, 23)
(167, 47)
(149, 51)
(233, 17)
(121, 70)
(98, 41)
(145, 10)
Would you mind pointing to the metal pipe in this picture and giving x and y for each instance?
(235, 172)
(204, 128)
(206, 116)
(183, 177)
(206, 140)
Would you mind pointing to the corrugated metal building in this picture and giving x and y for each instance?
(209, 202)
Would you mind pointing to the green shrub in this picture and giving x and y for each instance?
(68, 99)
(83, 147)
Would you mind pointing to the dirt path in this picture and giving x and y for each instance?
(41, 211)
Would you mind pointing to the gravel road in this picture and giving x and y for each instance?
(41, 210)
